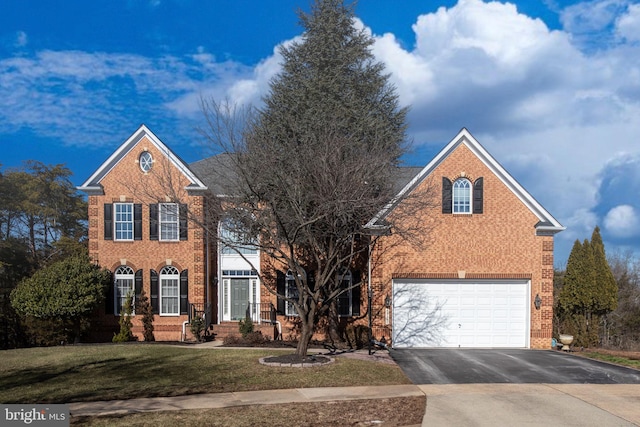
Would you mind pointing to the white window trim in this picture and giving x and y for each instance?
(145, 161)
(169, 276)
(453, 197)
(129, 275)
(116, 222)
(162, 222)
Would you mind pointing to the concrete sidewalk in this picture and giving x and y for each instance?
(532, 404)
(221, 400)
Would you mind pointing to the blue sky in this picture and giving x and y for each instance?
(551, 88)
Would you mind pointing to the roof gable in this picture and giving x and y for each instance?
(547, 223)
(92, 184)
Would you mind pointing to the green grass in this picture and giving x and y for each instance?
(107, 372)
(618, 360)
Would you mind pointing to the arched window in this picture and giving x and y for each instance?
(169, 291)
(123, 285)
(462, 196)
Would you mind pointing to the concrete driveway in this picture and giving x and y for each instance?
(494, 387)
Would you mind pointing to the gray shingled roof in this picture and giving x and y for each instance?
(219, 175)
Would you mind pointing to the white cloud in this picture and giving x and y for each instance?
(85, 98)
(628, 25)
(623, 221)
(591, 16)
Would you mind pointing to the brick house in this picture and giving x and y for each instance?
(482, 278)
(485, 277)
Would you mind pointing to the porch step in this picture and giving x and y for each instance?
(225, 329)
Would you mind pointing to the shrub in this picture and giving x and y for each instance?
(245, 326)
(251, 338)
(357, 336)
(255, 337)
(196, 326)
(144, 308)
(126, 325)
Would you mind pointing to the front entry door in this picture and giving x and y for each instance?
(239, 298)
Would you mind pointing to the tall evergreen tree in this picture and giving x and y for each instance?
(315, 164)
(589, 292)
(606, 295)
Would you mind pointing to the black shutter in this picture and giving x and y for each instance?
(153, 221)
(184, 223)
(446, 196)
(154, 292)
(280, 289)
(111, 295)
(137, 221)
(108, 223)
(138, 284)
(478, 196)
(355, 294)
(184, 292)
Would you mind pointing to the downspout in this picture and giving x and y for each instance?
(184, 330)
(369, 296)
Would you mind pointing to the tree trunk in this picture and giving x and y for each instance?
(76, 330)
(306, 333)
(332, 323)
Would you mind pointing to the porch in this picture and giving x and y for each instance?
(263, 316)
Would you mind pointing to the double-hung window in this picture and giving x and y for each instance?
(292, 293)
(123, 221)
(169, 222)
(169, 291)
(123, 287)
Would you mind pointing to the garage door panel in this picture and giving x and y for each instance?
(460, 314)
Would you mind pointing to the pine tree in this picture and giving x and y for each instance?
(606, 295)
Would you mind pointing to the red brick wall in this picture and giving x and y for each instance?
(126, 182)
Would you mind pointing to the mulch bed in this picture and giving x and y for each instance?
(296, 360)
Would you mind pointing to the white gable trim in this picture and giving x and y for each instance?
(92, 185)
(547, 223)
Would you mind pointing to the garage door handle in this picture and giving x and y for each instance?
(459, 325)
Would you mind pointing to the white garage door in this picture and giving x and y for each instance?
(460, 313)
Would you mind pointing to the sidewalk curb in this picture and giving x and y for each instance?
(222, 400)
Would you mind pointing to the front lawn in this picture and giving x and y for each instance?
(107, 372)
